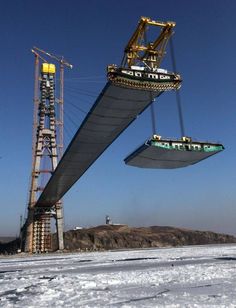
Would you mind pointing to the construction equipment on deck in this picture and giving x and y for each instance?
(140, 67)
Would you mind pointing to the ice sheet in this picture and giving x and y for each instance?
(193, 276)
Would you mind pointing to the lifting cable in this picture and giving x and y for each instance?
(153, 114)
(178, 98)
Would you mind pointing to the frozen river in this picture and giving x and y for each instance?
(193, 276)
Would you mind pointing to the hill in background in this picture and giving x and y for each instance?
(108, 237)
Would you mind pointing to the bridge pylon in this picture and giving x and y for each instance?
(37, 235)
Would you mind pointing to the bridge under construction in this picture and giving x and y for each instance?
(129, 90)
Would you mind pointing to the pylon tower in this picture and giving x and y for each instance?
(44, 162)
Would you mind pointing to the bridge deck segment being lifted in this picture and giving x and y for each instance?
(157, 153)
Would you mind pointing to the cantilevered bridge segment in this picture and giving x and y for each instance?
(115, 109)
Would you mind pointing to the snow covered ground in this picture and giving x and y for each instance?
(194, 276)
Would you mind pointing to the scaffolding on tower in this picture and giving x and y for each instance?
(47, 150)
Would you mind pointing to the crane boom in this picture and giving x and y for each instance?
(59, 59)
(39, 56)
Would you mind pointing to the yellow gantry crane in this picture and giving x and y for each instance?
(150, 54)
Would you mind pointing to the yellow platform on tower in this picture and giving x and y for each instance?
(48, 68)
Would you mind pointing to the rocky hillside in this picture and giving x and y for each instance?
(121, 236)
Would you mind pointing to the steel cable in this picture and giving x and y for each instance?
(178, 97)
